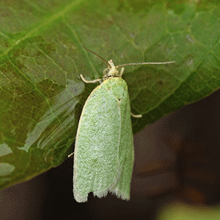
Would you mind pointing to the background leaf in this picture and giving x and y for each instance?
(41, 57)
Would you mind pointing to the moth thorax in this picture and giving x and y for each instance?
(112, 69)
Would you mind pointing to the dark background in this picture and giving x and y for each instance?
(176, 159)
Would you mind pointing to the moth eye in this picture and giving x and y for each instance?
(105, 71)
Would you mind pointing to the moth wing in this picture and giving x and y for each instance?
(96, 158)
(126, 149)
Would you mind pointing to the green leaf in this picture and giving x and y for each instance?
(42, 56)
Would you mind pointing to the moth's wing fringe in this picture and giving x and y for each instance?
(103, 193)
(120, 194)
(79, 198)
(115, 191)
(111, 187)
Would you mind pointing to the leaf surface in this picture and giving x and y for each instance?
(42, 56)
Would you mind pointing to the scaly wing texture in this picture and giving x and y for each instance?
(96, 161)
(126, 147)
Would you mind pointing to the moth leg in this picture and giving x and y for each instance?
(136, 116)
(122, 71)
(89, 81)
(70, 155)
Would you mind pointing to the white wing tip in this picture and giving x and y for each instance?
(116, 191)
(100, 194)
(80, 199)
(121, 195)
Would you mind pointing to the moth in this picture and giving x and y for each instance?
(104, 150)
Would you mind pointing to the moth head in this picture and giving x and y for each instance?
(111, 71)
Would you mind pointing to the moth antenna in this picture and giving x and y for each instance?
(98, 56)
(145, 63)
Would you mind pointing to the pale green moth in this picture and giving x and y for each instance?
(104, 151)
